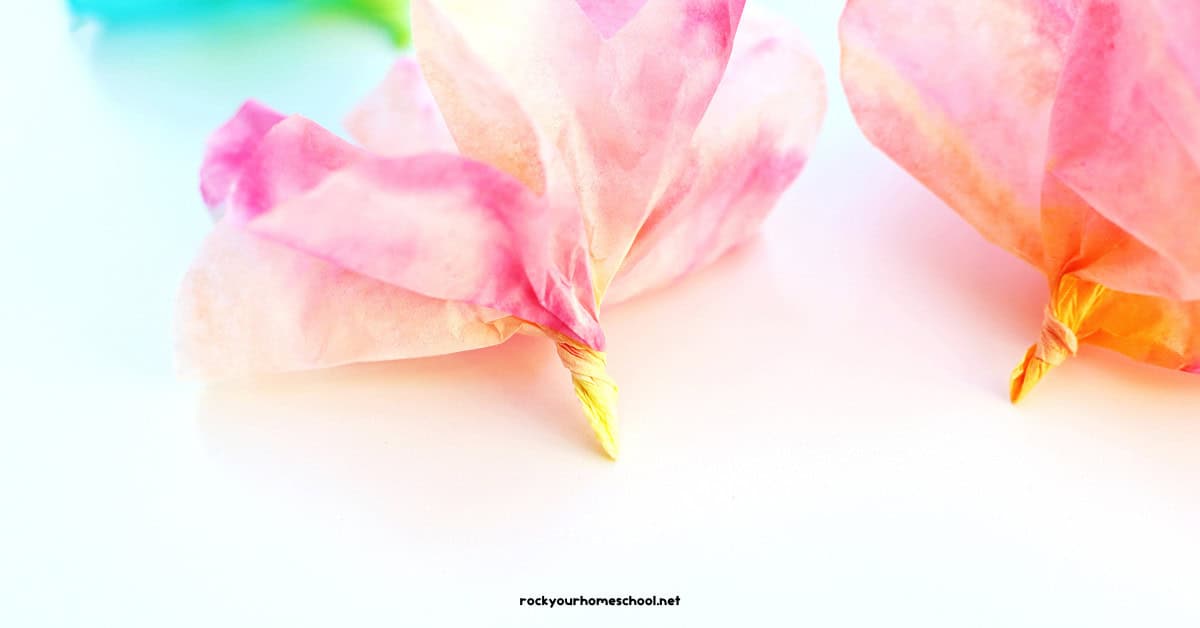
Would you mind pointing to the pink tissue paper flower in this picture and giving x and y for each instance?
(1065, 131)
(534, 158)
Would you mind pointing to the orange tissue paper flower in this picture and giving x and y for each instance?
(1065, 131)
(534, 159)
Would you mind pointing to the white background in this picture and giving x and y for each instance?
(816, 430)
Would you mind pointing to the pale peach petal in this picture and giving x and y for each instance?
(400, 117)
(490, 124)
(752, 143)
(960, 95)
(485, 118)
(249, 305)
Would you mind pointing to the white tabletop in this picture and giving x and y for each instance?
(815, 429)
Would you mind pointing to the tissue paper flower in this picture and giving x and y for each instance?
(536, 158)
(392, 14)
(1066, 131)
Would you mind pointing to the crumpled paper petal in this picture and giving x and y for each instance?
(752, 143)
(960, 94)
(1125, 138)
(400, 116)
(608, 16)
(617, 110)
(489, 124)
(496, 187)
(392, 220)
(230, 148)
(249, 306)
(1066, 131)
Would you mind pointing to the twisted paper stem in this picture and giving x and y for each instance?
(595, 389)
(1070, 306)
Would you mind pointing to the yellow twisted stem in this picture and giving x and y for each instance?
(1070, 306)
(595, 389)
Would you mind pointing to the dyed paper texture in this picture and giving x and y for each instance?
(1066, 131)
(391, 14)
(531, 161)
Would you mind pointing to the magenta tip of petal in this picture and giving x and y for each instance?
(230, 147)
(609, 16)
(597, 340)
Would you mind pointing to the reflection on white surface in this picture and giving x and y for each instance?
(815, 429)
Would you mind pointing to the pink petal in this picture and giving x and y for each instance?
(617, 112)
(960, 95)
(483, 115)
(638, 124)
(435, 224)
(750, 146)
(228, 150)
(1126, 139)
(249, 305)
(400, 117)
(490, 125)
(610, 15)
